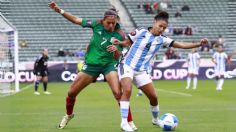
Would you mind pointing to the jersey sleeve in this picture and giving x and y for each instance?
(214, 56)
(90, 23)
(167, 42)
(226, 56)
(134, 35)
(198, 56)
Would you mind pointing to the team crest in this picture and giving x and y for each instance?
(89, 23)
(133, 33)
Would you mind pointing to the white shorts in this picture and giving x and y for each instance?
(140, 78)
(219, 72)
(192, 70)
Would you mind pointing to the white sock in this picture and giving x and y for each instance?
(217, 83)
(155, 111)
(124, 110)
(194, 82)
(221, 82)
(140, 91)
(188, 82)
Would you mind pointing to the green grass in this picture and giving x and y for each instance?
(201, 110)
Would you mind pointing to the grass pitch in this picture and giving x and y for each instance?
(201, 110)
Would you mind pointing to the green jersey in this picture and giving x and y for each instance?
(97, 53)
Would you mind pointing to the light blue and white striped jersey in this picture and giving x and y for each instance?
(220, 59)
(193, 58)
(145, 46)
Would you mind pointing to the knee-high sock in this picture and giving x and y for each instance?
(130, 118)
(45, 84)
(155, 111)
(36, 85)
(188, 82)
(194, 82)
(70, 102)
(221, 82)
(124, 110)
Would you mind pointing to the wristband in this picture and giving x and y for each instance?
(62, 11)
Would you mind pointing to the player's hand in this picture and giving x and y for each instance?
(115, 41)
(203, 41)
(111, 48)
(54, 6)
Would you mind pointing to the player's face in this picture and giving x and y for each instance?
(220, 49)
(159, 27)
(109, 23)
(45, 52)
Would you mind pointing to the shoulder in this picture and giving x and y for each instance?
(137, 30)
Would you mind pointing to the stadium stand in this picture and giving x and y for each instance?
(208, 18)
(40, 27)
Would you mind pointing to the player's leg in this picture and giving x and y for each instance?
(217, 78)
(195, 80)
(36, 83)
(125, 77)
(188, 80)
(45, 82)
(143, 81)
(80, 82)
(140, 92)
(221, 82)
(113, 81)
(150, 92)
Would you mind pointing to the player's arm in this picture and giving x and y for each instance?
(213, 60)
(124, 43)
(35, 65)
(187, 45)
(67, 15)
(198, 62)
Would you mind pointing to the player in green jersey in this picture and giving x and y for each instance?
(101, 57)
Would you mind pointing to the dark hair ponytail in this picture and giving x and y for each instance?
(162, 15)
(111, 12)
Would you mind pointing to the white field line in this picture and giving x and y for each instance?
(25, 88)
(174, 92)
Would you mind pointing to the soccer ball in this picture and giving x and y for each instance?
(168, 122)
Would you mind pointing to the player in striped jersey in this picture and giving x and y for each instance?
(193, 67)
(219, 58)
(134, 66)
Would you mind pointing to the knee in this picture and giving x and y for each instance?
(117, 95)
(71, 93)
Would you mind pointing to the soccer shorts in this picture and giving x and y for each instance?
(41, 73)
(96, 70)
(192, 70)
(140, 78)
(219, 72)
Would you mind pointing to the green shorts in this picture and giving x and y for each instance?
(96, 70)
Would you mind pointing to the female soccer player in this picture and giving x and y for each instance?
(219, 58)
(193, 67)
(41, 72)
(134, 66)
(101, 57)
